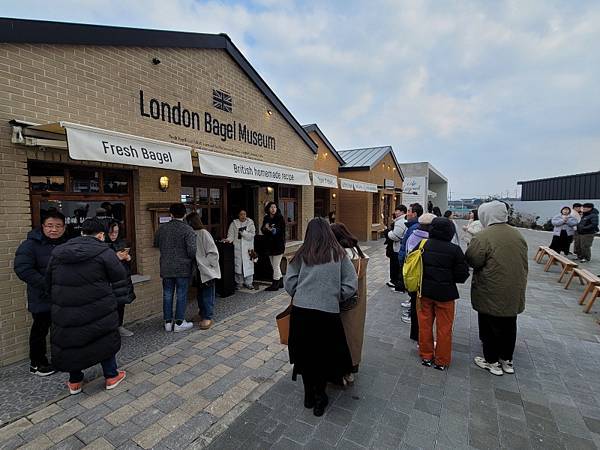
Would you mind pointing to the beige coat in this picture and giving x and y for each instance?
(354, 320)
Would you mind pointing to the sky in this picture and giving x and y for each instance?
(489, 92)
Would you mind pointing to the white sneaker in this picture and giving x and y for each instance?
(185, 326)
(494, 368)
(390, 284)
(168, 326)
(124, 332)
(405, 304)
(507, 366)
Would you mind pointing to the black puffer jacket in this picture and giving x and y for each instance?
(274, 242)
(588, 223)
(84, 308)
(123, 289)
(444, 263)
(30, 265)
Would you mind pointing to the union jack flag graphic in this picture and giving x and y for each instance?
(222, 100)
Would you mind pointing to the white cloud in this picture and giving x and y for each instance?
(494, 89)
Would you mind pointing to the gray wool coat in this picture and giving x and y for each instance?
(177, 243)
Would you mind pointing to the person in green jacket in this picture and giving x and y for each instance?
(498, 256)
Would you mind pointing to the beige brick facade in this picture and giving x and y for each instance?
(100, 86)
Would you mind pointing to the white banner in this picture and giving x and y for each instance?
(346, 184)
(414, 190)
(94, 144)
(324, 180)
(249, 169)
(365, 187)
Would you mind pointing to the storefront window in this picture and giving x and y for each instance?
(376, 218)
(85, 181)
(288, 204)
(208, 203)
(88, 193)
(44, 178)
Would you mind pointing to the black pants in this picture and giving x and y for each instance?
(121, 311)
(37, 338)
(414, 319)
(498, 336)
(314, 386)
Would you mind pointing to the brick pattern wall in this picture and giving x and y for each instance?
(100, 86)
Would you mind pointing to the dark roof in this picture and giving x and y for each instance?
(44, 32)
(366, 158)
(314, 128)
(559, 177)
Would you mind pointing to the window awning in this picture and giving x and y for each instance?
(249, 169)
(95, 144)
(324, 180)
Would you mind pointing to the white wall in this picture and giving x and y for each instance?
(548, 208)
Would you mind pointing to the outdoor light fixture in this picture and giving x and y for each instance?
(269, 112)
(334, 195)
(163, 183)
(155, 61)
(269, 190)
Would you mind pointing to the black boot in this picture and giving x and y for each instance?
(274, 286)
(321, 402)
(309, 393)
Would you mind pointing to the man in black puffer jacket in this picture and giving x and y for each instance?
(444, 265)
(85, 321)
(30, 265)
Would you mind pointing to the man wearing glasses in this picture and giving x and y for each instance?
(30, 265)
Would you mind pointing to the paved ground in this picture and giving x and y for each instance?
(20, 392)
(229, 387)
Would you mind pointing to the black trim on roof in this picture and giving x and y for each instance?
(559, 177)
(46, 32)
(313, 127)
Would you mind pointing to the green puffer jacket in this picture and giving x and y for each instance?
(498, 255)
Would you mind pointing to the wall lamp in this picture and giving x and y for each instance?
(269, 112)
(269, 190)
(334, 195)
(163, 183)
(155, 61)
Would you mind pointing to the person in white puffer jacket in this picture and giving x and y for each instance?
(395, 235)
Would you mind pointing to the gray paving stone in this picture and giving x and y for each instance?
(93, 431)
(150, 416)
(94, 414)
(328, 432)
(70, 443)
(169, 403)
(188, 432)
(359, 433)
(299, 432)
(122, 433)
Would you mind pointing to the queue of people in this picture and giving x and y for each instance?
(497, 255)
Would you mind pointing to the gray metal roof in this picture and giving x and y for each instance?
(366, 158)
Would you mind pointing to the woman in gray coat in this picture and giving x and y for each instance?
(318, 278)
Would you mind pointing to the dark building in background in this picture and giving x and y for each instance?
(569, 187)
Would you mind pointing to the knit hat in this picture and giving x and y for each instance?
(426, 218)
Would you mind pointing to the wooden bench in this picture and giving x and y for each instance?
(566, 264)
(585, 277)
(595, 295)
(541, 252)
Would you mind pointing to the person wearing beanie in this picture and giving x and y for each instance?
(85, 323)
(586, 229)
(498, 256)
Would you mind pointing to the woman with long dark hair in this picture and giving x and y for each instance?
(318, 278)
(273, 229)
(354, 319)
(564, 229)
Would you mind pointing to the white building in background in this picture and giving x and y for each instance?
(422, 183)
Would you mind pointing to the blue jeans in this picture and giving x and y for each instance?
(109, 368)
(206, 301)
(169, 286)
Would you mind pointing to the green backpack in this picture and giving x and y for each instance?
(412, 270)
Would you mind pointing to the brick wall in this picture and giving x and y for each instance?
(100, 86)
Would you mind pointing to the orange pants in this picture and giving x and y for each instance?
(443, 315)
